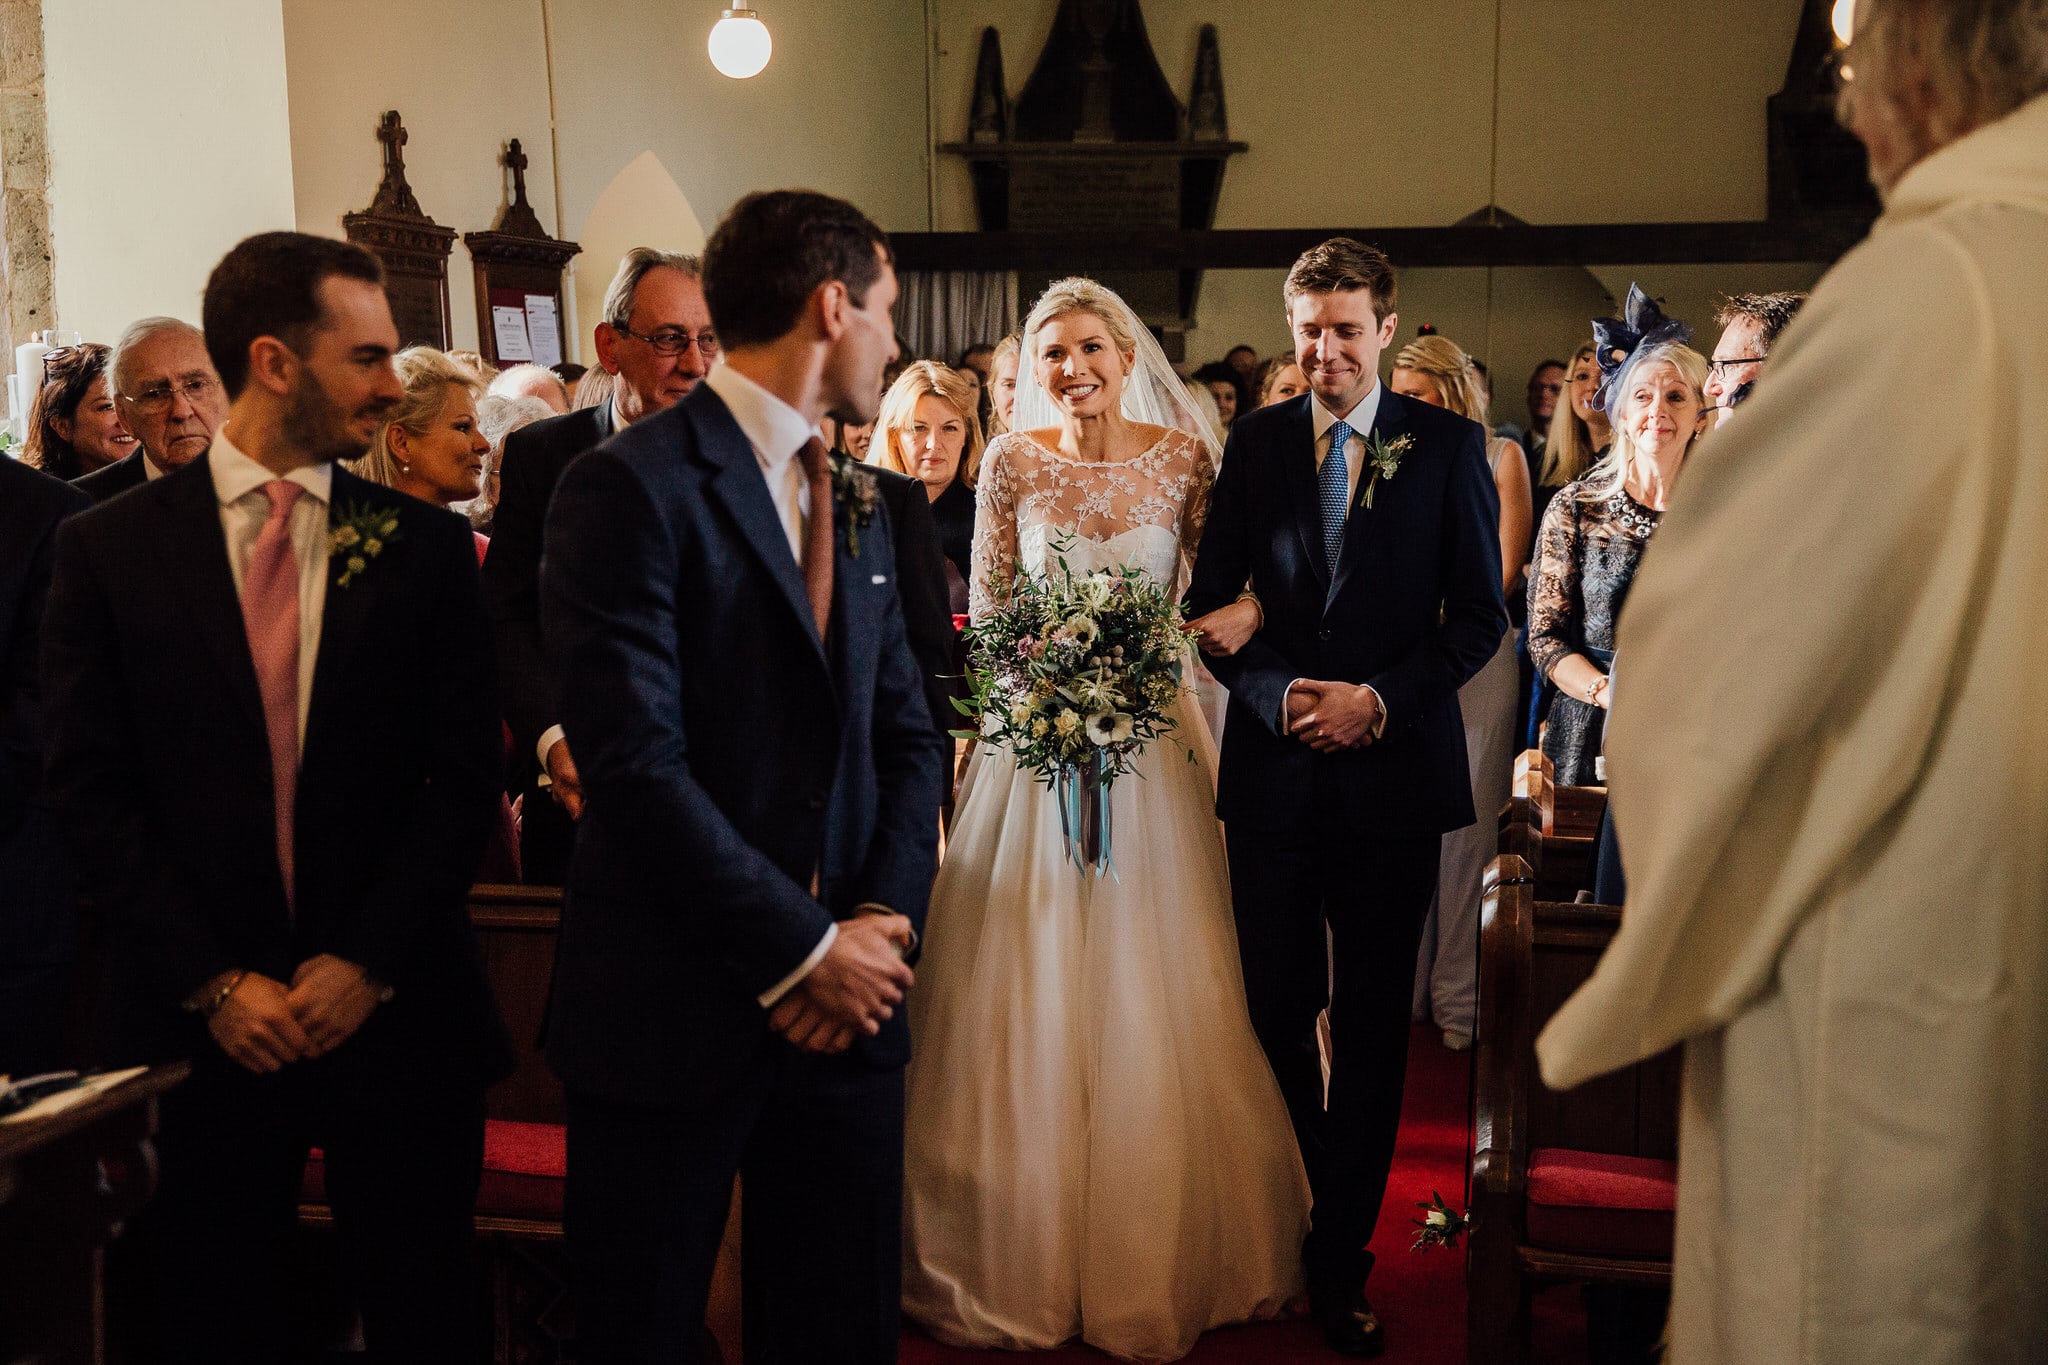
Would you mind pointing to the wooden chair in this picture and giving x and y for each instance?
(1577, 1186)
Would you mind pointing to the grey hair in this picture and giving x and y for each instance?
(498, 415)
(136, 335)
(507, 381)
(1983, 58)
(633, 268)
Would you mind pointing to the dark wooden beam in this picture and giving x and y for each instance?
(1816, 240)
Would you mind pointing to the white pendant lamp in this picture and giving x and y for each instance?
(740, 44)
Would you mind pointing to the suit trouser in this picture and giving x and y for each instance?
(819, 1144)
(205, 1272)
(1373, 895)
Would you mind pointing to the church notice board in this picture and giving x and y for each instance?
(524, 327)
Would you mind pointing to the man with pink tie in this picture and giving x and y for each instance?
(270, 715)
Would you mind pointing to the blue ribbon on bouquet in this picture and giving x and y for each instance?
(1083, 799)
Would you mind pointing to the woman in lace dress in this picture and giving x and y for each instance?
(1593, 537)
(1096, 1147)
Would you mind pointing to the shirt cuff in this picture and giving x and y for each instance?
(548, 739)
(789, 983)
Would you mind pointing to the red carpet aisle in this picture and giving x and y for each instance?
(1420, 1296)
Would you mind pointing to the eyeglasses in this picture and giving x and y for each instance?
(159, 397)
(1715, 367)
(674, 341)
(60, 357)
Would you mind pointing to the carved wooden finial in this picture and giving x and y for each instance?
(1207, 119)
(989, 119)
(394, 195)
(519, 219)
(516, 159)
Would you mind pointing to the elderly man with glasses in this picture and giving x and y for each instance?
(169, 398)
(657, 343)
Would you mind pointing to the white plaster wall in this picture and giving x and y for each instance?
(170, 141)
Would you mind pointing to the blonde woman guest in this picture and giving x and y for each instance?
(1653, 388)
(927, 429)
(1435, 370)
(1579, 432)
(1002, 386)
(432, 447)
(1280, 380)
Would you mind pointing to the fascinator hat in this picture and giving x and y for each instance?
(1619, 342)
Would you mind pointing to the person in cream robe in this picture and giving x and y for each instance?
(1829, 764)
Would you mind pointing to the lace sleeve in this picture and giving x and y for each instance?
(994, 554)
(1194, 508)
(1555, 625)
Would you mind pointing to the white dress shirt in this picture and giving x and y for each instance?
(1360, 420)
(244, 507)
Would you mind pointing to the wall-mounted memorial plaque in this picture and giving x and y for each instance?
(1098, 142)
(519, 294)
(413, 247)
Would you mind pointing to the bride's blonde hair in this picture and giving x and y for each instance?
(1078, 295)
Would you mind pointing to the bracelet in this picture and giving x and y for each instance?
(212, 1004)
(1593, 693)
(1260, 607)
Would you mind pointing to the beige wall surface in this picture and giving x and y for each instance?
(169, 143)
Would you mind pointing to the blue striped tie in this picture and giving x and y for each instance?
(1334, 482)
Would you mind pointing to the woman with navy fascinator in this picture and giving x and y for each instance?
(1594, 531)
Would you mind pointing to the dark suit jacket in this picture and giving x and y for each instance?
(159, 761)
(532, 462)
(726, 756)
(115, 479)
(921, 581)
(36, 927)
(1415, 610)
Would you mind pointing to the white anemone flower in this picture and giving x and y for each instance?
(1082, 629)
(1109, 727)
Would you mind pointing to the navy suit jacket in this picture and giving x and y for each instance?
(160, 764)
(1414, 610)
(36, 927)
(114, 480)
(726, 755)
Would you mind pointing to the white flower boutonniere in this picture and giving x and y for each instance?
(1384, 457)
(358, 535)
(855, 488)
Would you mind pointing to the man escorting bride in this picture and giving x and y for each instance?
(1095, 1145)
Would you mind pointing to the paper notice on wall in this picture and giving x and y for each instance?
(543, 335)
(510, 325)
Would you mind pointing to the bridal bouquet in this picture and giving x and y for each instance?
(1073, 674)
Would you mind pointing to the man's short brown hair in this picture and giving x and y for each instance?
(1770, 312)
(1339, 266)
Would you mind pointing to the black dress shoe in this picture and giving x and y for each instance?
(1349, 1324)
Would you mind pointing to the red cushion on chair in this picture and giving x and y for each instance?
(524, 1164)
(1599, 1204)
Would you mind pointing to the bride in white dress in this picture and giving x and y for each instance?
(1096, 1147)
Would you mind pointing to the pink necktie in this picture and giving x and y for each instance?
(270, 613)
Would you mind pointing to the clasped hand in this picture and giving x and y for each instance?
(1332, 716)
(854, 988)
(265, 1025)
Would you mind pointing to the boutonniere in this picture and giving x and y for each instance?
(855, 488)
(358, 535)
(1384, 457)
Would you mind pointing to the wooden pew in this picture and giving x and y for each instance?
(1551, 828)
(1576, 1186)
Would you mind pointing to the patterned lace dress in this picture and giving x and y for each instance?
(1586, 557)
(1096, 1147)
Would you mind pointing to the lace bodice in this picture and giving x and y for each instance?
(1146, 512)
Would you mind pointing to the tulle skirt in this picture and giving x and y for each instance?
(1096, 1147)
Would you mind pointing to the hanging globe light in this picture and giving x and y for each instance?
(740, 44)
(1843, 18)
